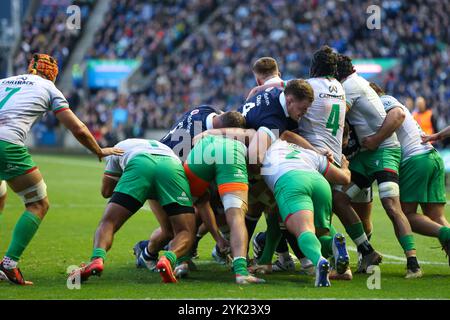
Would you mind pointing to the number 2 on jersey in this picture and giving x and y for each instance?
(12, 91)
(333, 119)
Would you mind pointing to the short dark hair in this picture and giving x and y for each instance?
(377, 89)
(232, 119)
(344, 67)
(300, 89)
(323, 63)
(265, 66)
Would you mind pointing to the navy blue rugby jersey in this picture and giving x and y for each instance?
(190, 124)
(265, 110)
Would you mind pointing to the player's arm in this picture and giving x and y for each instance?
(83, 135)
(109, 183)
(257, 89)
(292, 137)
(260, 143)
(441, 135)
(243, 135)
(337, 175)
(392, 122)
(204, 210)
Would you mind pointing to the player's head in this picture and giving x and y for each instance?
(43, 65)
(299, 96)
(265, 67)
(323, 63)
(377, 88)
(344, 67)
(230, 119)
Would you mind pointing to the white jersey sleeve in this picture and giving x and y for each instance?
(57, 100)
(409, 133)
(112, 167)
(367, 113)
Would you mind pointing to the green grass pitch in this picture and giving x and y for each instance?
(65, 238)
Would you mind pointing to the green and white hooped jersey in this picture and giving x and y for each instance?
(323, 124)
(366, 112)
(283, 157)
(23, 100)
(409, 133)
(115, 165)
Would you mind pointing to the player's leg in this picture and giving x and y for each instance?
(387, 177)
(354, 227)
(3, 194)
(173, 193)
(182, 220)
(31, 188)
(148, 256)
(362, 203)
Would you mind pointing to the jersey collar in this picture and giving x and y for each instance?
(209, 120)
(282, 99)
(275, 79)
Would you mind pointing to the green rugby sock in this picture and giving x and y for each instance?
(98, 253)
(356, 233)
(310, 246)
(171, 256)
(407, 242)
(24, 231)
(327, 245)
(273, 236)
(182, 259)
(240, 266)
(444, 234)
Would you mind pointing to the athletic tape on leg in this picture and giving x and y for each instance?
(388, 190)
(232, 201)
(39, 192)
(3, 188)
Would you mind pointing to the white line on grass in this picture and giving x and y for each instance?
(400, 259)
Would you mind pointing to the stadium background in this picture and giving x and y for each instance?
(134, 66)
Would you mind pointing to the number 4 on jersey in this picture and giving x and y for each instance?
(12, 91)
(333, 119)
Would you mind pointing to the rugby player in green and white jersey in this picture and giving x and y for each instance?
(422, 172)
(23, 100)
(366, 114)
(147, 170)
(304, 199)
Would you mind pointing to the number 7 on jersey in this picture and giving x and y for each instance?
(12, 91)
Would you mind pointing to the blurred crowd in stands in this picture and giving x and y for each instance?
(197, 52)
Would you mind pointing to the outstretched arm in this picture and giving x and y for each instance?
(83, 135)
(441, 135)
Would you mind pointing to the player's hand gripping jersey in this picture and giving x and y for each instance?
(267, 110)
(23, 100)
(323, 124)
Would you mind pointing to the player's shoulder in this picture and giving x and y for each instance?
(206, 108)
(389, 101)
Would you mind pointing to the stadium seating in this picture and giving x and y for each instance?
(213, 64)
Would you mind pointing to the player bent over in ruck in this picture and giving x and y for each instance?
(147, 170)
(23, 100)
(223, 161)
(299, 179)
